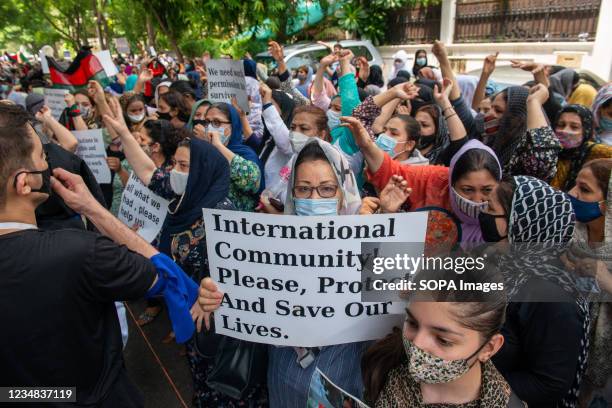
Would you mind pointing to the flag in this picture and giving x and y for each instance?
(22, 58)
(85, 67)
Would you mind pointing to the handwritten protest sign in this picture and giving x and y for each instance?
(323, 393)
(54, 99)
(295, 281)
(122, 45)
(91, 150)
(142, 208)
(226, 80)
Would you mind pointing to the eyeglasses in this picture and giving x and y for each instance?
(324, 191)
(215, 122)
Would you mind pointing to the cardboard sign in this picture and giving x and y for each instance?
(296, 281)
(226, 80)
(142, 209)
(54, 99)
(91, 150)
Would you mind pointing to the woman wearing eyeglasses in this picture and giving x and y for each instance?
(224, 131)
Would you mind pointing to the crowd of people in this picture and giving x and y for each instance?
(518, 164)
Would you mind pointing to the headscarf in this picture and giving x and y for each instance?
(163, 83)
(402, 56)
(441, 138)
(193, 112)
(467, 84)
(351, 201)
(415, 67)
(512, 126)
(425, 97)
(470, 227)
(604, 94)
(207, 184)
(250, 68)
(562, 82)
(303, 88)
(237, 146)
(577, 155)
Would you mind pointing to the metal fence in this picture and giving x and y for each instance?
(526, 20)
(414, 25)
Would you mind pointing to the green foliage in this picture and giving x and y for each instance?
(368, 18)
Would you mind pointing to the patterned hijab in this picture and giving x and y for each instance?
(577, 155)
(603, 95)
(351, 200)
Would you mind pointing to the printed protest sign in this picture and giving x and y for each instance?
(142, 209)
(226, 80)
(91, 150)
(295, 281)
(54, 99)
(323, 393)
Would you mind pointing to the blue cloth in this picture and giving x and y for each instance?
(180, 293)
(237, 146)
(250, 68)
(130, 82)
(288, 382)
(207, 185)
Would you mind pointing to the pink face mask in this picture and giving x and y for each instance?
(569, 140)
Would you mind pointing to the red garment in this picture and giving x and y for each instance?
(429, 183)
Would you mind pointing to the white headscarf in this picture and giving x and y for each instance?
(402, 56)
(351, 200)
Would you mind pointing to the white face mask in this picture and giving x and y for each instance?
(84, 110)
(178, 181)
(136, 118)
(298, 140)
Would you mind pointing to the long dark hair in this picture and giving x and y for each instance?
(162, 132)
(485, 317)
(475, 160)
(601, 169)
(175, 101)
(415, 67)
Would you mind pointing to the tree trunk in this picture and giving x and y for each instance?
(150, 32)
(171, 37)
(96, 10)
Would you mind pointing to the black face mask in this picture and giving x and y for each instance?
(183, 118)
(199, 122)
(426, 141)
(164, 115)
(45, 187)
(488, 227)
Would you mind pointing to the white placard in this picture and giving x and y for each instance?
(226, 80)
(122, 45)
(142, 209)
(107, 62)
(54, 99)
(91, 150)
(43, 62)
(296, 281)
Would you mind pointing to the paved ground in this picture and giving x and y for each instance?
(144, 369)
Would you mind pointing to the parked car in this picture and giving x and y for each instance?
(309, 54)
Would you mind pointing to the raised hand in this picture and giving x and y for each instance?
(439, 50)
(529, 66)
(395, 193)
(369, 205)
(265, 92)
(116, 122)
(69, 99)
(95, 91)
(328, 60)
(538, 93)
(360, 134)
(276, 51)
(441, 96)
(406, 90)
(489, 64)
(44, 114)
(145, 75)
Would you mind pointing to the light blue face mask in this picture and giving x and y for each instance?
(421, 61)
(333, 119)
(316, 206)
(220, 130)
(386, 143)
(605, 123)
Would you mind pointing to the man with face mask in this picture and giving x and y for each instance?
(72, 277)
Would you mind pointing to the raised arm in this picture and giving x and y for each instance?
(142, 164)
(276, 51)
(318, 86)
(65, 138)
(535, 115)
(79, 123)
(455, 126)
(145, 76)
(95, 91)
(487, 69)
(439, 50)
(373, 155)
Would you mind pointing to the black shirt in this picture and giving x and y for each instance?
(59, 323)
(54, 213)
